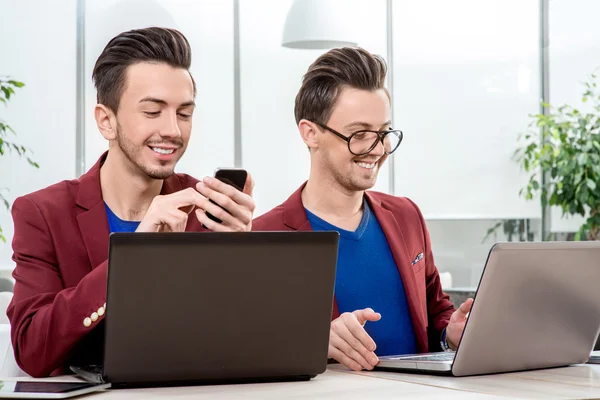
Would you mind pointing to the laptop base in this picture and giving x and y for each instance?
(413, 371)
(437, 363)
(93, 375)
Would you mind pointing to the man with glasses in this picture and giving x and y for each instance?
(386, 273)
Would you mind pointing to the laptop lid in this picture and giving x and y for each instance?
(537, 306)
(189, 307)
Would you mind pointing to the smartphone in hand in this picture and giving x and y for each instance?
(235, 177)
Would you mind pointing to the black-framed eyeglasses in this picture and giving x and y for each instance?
(364, 141)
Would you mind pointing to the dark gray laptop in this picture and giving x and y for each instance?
(187, 308)
(537, 306)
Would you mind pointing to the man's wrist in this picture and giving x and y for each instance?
(445, 343)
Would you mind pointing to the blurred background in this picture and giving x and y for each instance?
(465, 78)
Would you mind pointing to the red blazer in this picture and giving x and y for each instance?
(404, 227)
(61, 248)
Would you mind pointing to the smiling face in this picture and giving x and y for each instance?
(354, 110)
(154, 119)
(343, 92)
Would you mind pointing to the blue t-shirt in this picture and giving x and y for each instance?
(116, 224)
(367, 276)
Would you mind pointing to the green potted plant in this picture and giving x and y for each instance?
(7, 89)
(564, 148)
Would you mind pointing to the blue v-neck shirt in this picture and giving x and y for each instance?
(116, 224)
(367, 276)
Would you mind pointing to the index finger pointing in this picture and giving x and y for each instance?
(187, 197)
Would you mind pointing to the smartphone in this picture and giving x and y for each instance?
(235, 177)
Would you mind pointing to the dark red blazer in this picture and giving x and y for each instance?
(61, 249)
(404, 227)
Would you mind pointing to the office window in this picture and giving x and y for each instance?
(466, 77)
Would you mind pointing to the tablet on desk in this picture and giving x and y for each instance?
(15, 389)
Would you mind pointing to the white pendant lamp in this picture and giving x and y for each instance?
(321, 24)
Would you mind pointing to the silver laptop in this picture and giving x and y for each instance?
(537, 306)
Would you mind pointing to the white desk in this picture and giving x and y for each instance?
(578, 382)
(575, 382)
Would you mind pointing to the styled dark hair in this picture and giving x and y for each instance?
(330, 73)
(158, 45)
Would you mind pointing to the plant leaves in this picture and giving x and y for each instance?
(591, 184)
(16, 83)
(567, 153)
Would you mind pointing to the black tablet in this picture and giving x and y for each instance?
(16, 389)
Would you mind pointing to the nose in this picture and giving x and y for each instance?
(378, 150)
(170, 126)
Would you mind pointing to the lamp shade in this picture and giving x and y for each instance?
(321, 24)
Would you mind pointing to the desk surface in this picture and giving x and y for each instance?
(576, 382)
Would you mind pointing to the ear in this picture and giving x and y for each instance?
(106, 121)
(308, 132)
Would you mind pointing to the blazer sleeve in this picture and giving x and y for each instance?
(47, 319)
(439, 306)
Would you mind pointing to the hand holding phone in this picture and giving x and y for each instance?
(231, 176)
(230, 206)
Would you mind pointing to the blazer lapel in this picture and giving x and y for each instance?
(93, 225)
(92, 220)
(294, 217)
(397, 243)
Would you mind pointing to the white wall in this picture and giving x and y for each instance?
(574, 54)
(37, 47)
(466, 77)
(270, 78)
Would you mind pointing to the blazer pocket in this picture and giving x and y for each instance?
(418, 263)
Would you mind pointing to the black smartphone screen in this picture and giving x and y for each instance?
(235, 177)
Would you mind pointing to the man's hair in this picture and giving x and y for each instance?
(332, 72)
(155, 45)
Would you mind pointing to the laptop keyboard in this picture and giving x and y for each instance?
(428, 357)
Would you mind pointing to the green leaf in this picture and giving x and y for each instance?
(6, 92)
(5, 202)
(16, 83)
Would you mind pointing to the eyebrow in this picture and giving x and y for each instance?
(365, 124)
(164, 103)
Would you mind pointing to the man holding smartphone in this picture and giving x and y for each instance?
(145, 105)
(388, 296)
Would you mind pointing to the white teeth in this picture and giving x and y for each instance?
(365, 165)
(163, 151)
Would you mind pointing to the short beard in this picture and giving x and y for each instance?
(133, 154)
(348, 183)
